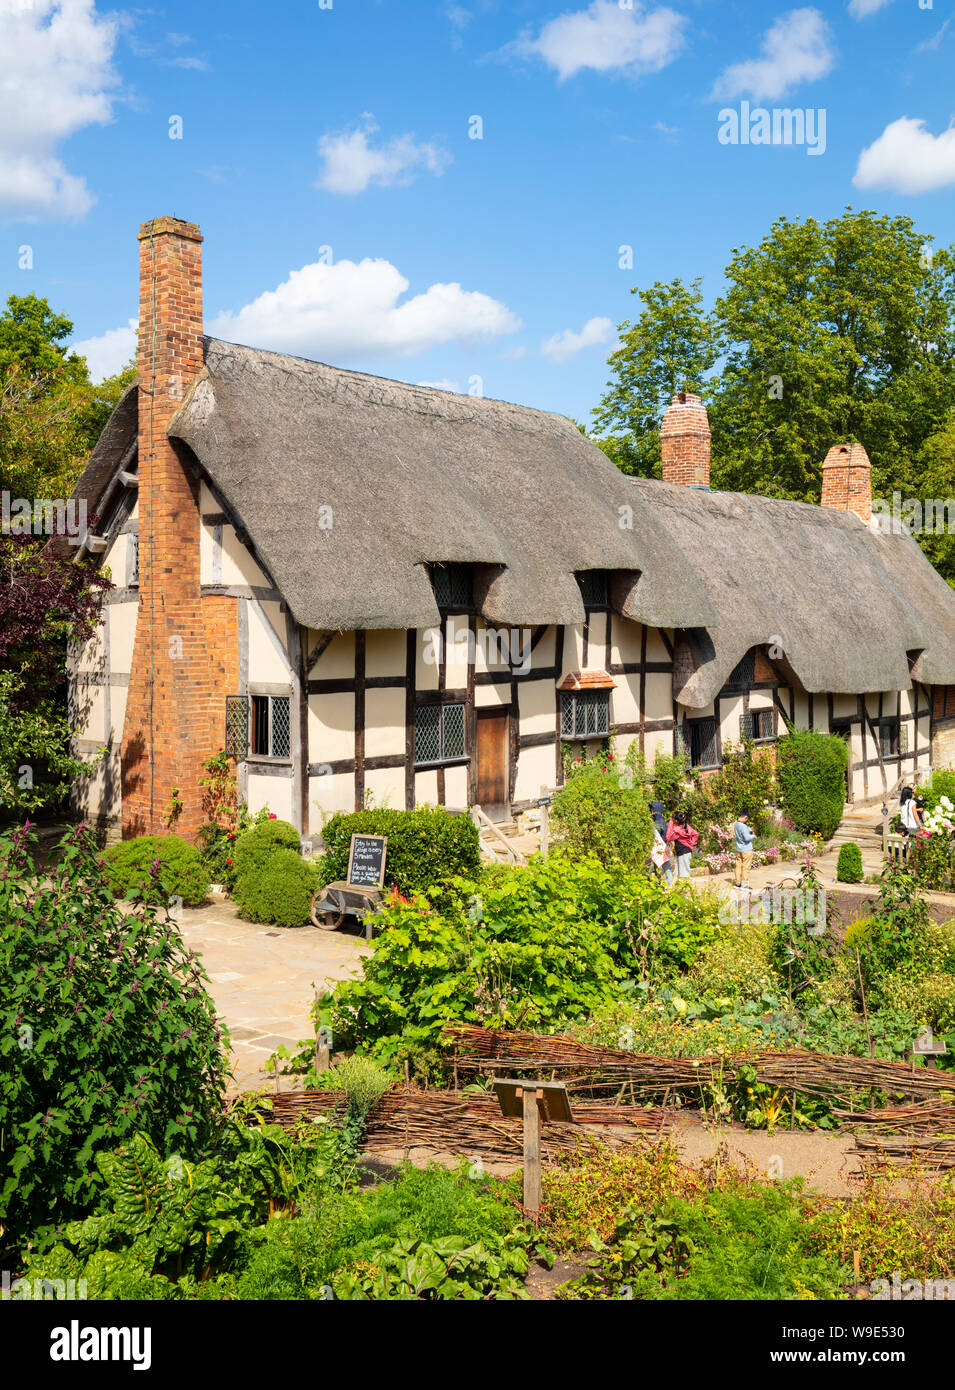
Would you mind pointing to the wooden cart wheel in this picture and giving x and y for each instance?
(330, 918)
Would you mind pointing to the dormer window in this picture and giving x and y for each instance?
(594, 588)
(452, 586)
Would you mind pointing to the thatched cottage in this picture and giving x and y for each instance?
(370, 590)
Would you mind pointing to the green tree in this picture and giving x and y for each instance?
(51, 415)
(824, 332)
(671, 347)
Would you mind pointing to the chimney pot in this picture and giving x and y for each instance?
(685, 441)
(847, 480)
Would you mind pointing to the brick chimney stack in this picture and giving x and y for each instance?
(685, 442)
(847, 480)
(167, 730)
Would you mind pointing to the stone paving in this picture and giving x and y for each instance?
(263, 979)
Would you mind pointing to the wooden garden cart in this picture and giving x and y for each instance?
(359, 894)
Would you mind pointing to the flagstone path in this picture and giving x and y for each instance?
(263, 980)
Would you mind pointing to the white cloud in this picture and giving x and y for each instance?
(860, 9)
(109, 353)
(351, 162)
(347, 310)
(55, 79)
(606, 36)
(908, 158)
(562, 346)
(796, 49)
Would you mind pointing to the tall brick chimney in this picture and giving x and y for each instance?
(847, 480)
(168, 729)
(685, 442)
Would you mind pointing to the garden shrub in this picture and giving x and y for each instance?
(600, 812)
(737, 965)
(849, 864)
(942, 784)
(547, 943)
(929, 998)
(932, 860)
(182, 873)
(279, 891)
(425, 846)
(811, 778)
(669, 776)
(254, 847)
(106, 1029)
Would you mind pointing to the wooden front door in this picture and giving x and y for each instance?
(492, 763)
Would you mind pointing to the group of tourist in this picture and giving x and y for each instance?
(673, 843)
(675, 840)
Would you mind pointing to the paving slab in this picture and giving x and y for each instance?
(263, 980)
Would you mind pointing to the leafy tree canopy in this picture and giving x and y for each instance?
(824, 333)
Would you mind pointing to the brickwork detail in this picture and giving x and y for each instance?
(185, 658)
(847, 480)
(685, 442)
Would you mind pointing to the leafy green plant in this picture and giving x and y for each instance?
(37, 767)
(280, 891)
(445, 1268)
(811, 777)
(737, 965)
(757, 1243)
(181, 872)
(600, 812)
(538, 946)
(107, 1029)
(849, 864)
(425, 846)
(255, 847)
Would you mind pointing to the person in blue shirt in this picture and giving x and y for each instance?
(744, 850)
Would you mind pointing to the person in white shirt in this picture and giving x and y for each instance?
(911, 820)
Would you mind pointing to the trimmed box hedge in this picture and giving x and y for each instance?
(425, 846)
(182, 873)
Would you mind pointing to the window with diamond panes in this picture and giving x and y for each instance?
(744, 672)
(270, 726)
(593, 588)
(452, 586)
(759, 725)
(585, 714)
(889, 738)
(237, 726)
(439, 733)
(698, 738)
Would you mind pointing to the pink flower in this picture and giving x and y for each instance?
(272, 816)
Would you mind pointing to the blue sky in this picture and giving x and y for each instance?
(486, 264)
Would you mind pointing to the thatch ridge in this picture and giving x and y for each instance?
(415, 475)
(848, 605)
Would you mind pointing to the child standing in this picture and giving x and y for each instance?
(744, 850)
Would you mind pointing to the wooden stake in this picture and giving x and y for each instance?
(532, 1153)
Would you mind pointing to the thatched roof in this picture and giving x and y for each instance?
(415, 475)
(848, 607)
(116, 443)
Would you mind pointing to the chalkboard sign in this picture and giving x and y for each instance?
(366, 861)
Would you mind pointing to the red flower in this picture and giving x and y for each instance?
(272, 816)
(229, 862)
